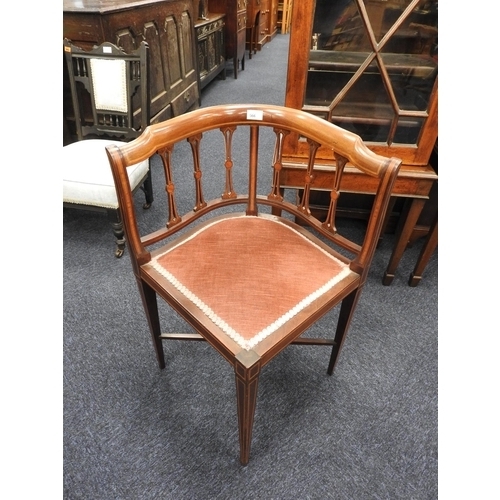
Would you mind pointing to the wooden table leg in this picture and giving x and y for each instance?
(417, 204)
(430, 244)
(390, 208)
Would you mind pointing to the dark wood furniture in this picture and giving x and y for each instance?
(272, 27)
(248, 282)
(236, 22)
(113, 84)
(262, 23)
(168, 28)
(426, 252)
(253, 25)
(371, 68)
(211, 48)
(409, 230)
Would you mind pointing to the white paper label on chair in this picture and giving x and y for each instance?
(255, 114)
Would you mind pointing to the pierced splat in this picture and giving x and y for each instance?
(228, 164)
(277, 164)
(304, 203)
(329, 223)
(166, 158)
(195, 141)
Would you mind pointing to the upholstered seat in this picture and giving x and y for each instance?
(87, 178)
(240, 261)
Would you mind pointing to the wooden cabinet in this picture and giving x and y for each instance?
(370, 67)
(211, 47)
(263, 30)
(166, 25)
(236, 22)
(254, 8)
(262, 23)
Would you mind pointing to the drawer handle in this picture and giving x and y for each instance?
(186, 96)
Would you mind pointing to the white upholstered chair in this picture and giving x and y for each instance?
(110, 97)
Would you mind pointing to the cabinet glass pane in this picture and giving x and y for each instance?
(372, 66)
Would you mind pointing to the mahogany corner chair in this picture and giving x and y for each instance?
(110, 97)
(251, 282)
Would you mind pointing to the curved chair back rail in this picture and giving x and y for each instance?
(250, 283)
(201, 120)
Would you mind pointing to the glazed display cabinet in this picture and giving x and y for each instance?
(371, 67)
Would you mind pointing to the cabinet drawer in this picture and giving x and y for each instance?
(207, 29)
(82, 28)
(242, 4)
(183, 102)
(164, 114)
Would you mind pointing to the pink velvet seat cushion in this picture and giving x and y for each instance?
(250, 275)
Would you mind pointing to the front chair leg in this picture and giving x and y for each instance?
(150, 304)
(117, 225)
(345, 316)
(247, 371)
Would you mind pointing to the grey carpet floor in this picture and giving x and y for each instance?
(132, 431)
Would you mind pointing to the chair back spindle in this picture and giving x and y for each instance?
(229, 192)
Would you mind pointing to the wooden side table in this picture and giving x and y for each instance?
(412, 229)
(425, 254)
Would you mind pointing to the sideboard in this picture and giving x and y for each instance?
(211, 47)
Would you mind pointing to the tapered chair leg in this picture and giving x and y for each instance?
(150, 303)
(345, 316)
(247, 371)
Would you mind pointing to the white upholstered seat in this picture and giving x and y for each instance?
(87, 177)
